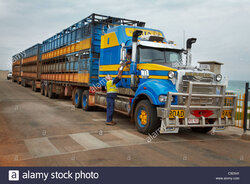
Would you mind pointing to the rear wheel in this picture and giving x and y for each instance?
(23, 83)
(146, 120)
(50, 92)
(33, 86)
(85, 100)
(78, 98)
(46, 90)
(42, 89)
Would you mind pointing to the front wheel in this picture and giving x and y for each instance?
(146, 119)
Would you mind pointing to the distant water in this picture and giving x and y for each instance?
(236, 86)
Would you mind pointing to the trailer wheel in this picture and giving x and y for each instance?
(42, 89)
(23, 83)
(35, 89)
(85, 100)
(50, 92)
(78, 98)
(33, 86)
(46, 90)
(146, 120)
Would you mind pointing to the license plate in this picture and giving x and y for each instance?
(179, 113)
(227, 113)
(193, 121)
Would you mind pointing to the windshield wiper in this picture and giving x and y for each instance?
(157, 60)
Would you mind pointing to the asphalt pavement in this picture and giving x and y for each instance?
(38, 131)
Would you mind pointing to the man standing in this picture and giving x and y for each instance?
(112, 91)
(111, 95)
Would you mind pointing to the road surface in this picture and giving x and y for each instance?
(38, 131)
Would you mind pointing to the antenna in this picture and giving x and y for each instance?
(184, 38)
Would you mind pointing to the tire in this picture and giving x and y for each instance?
(73, 95)
(35, 89)
(33, 86)
(85, 100)
(78, 98)
(201, 129)
(50, 91)
(46, 90)
(146, 119)
(23, 83)
(42, 89)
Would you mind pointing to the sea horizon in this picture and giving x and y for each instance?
(237, 86)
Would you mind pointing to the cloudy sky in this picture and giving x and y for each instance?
(222, 27)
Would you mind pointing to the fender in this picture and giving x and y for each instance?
(154, 88)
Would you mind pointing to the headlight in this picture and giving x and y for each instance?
(162, 98)
(218, 77)
(171, 74)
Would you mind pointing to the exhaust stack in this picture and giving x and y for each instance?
(190, 41)
(136, 34)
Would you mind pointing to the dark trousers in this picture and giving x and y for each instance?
(110, 105)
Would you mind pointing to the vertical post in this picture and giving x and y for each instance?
(246, 107)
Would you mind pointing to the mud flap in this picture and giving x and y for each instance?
(169, 130)
(219, 128)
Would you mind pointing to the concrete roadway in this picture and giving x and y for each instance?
(38, 131)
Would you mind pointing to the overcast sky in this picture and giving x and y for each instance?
(222, 27)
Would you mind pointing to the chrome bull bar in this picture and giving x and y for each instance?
(218, 106)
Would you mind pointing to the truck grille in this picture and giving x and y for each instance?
(201, 90)
(183, 88)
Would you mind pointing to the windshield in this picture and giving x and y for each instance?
(161, 56)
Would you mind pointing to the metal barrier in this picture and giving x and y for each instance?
(239, 116)
(245, 122)
(242, 117)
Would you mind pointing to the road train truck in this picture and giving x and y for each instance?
(160, 89)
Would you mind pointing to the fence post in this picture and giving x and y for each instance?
(245, 107)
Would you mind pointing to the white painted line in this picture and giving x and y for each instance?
(99, 119)
(41, 147)
(88, 141)
(117, 120)
(128, 137)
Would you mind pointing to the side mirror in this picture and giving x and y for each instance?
(123, 52)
